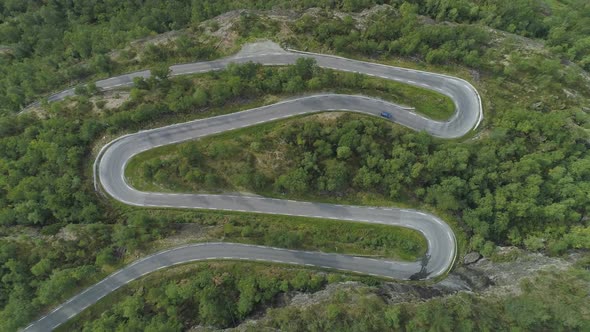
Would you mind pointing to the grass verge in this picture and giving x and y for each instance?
(290, 232)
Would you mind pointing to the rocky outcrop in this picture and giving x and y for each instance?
(471, 258)
(501, 275)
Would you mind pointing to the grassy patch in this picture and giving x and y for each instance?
(312, 234)
(426, 102)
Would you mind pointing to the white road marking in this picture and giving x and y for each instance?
(199, 128)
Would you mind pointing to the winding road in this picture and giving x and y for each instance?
(112, 159)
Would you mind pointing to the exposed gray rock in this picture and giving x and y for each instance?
(502, 275)
(475, 75)
(538, 106)
(453, 283)
(516, 264)
(473, 277)
(471, 258)
(262, 47)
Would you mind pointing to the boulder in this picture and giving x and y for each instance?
(471, 258)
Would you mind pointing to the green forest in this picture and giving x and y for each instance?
(60, 43)
(187, 297)
(522, 180)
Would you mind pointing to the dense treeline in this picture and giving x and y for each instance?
(217, 295)
(563, 25)
(42, 269)
(403, 33)
(41, 163)
(393, 32)
(50, 44)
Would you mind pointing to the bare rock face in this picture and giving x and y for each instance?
(262, 47)
(475, 279)
(511, 265)
(471, 258)
(485, 276)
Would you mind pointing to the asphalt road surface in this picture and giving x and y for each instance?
(111, 161)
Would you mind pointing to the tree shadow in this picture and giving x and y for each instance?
(423, 273)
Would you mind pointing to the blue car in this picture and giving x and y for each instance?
(386, 115)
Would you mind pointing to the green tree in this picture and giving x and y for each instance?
(160, 73)
(42, 268)
(295, 181)
(343, 152)
(200, 97)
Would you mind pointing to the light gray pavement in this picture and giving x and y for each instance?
(111, 162)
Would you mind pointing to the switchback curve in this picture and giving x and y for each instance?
(111, 162)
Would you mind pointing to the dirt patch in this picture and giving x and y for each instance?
(523, 43)
(327, 117)
(37, 110)
(159, 39)
(269, 162)
(303, 300)
(222, 27)
(185, 233)
(6, 50)
(67, 234)
(109, 100)
(505, 276)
